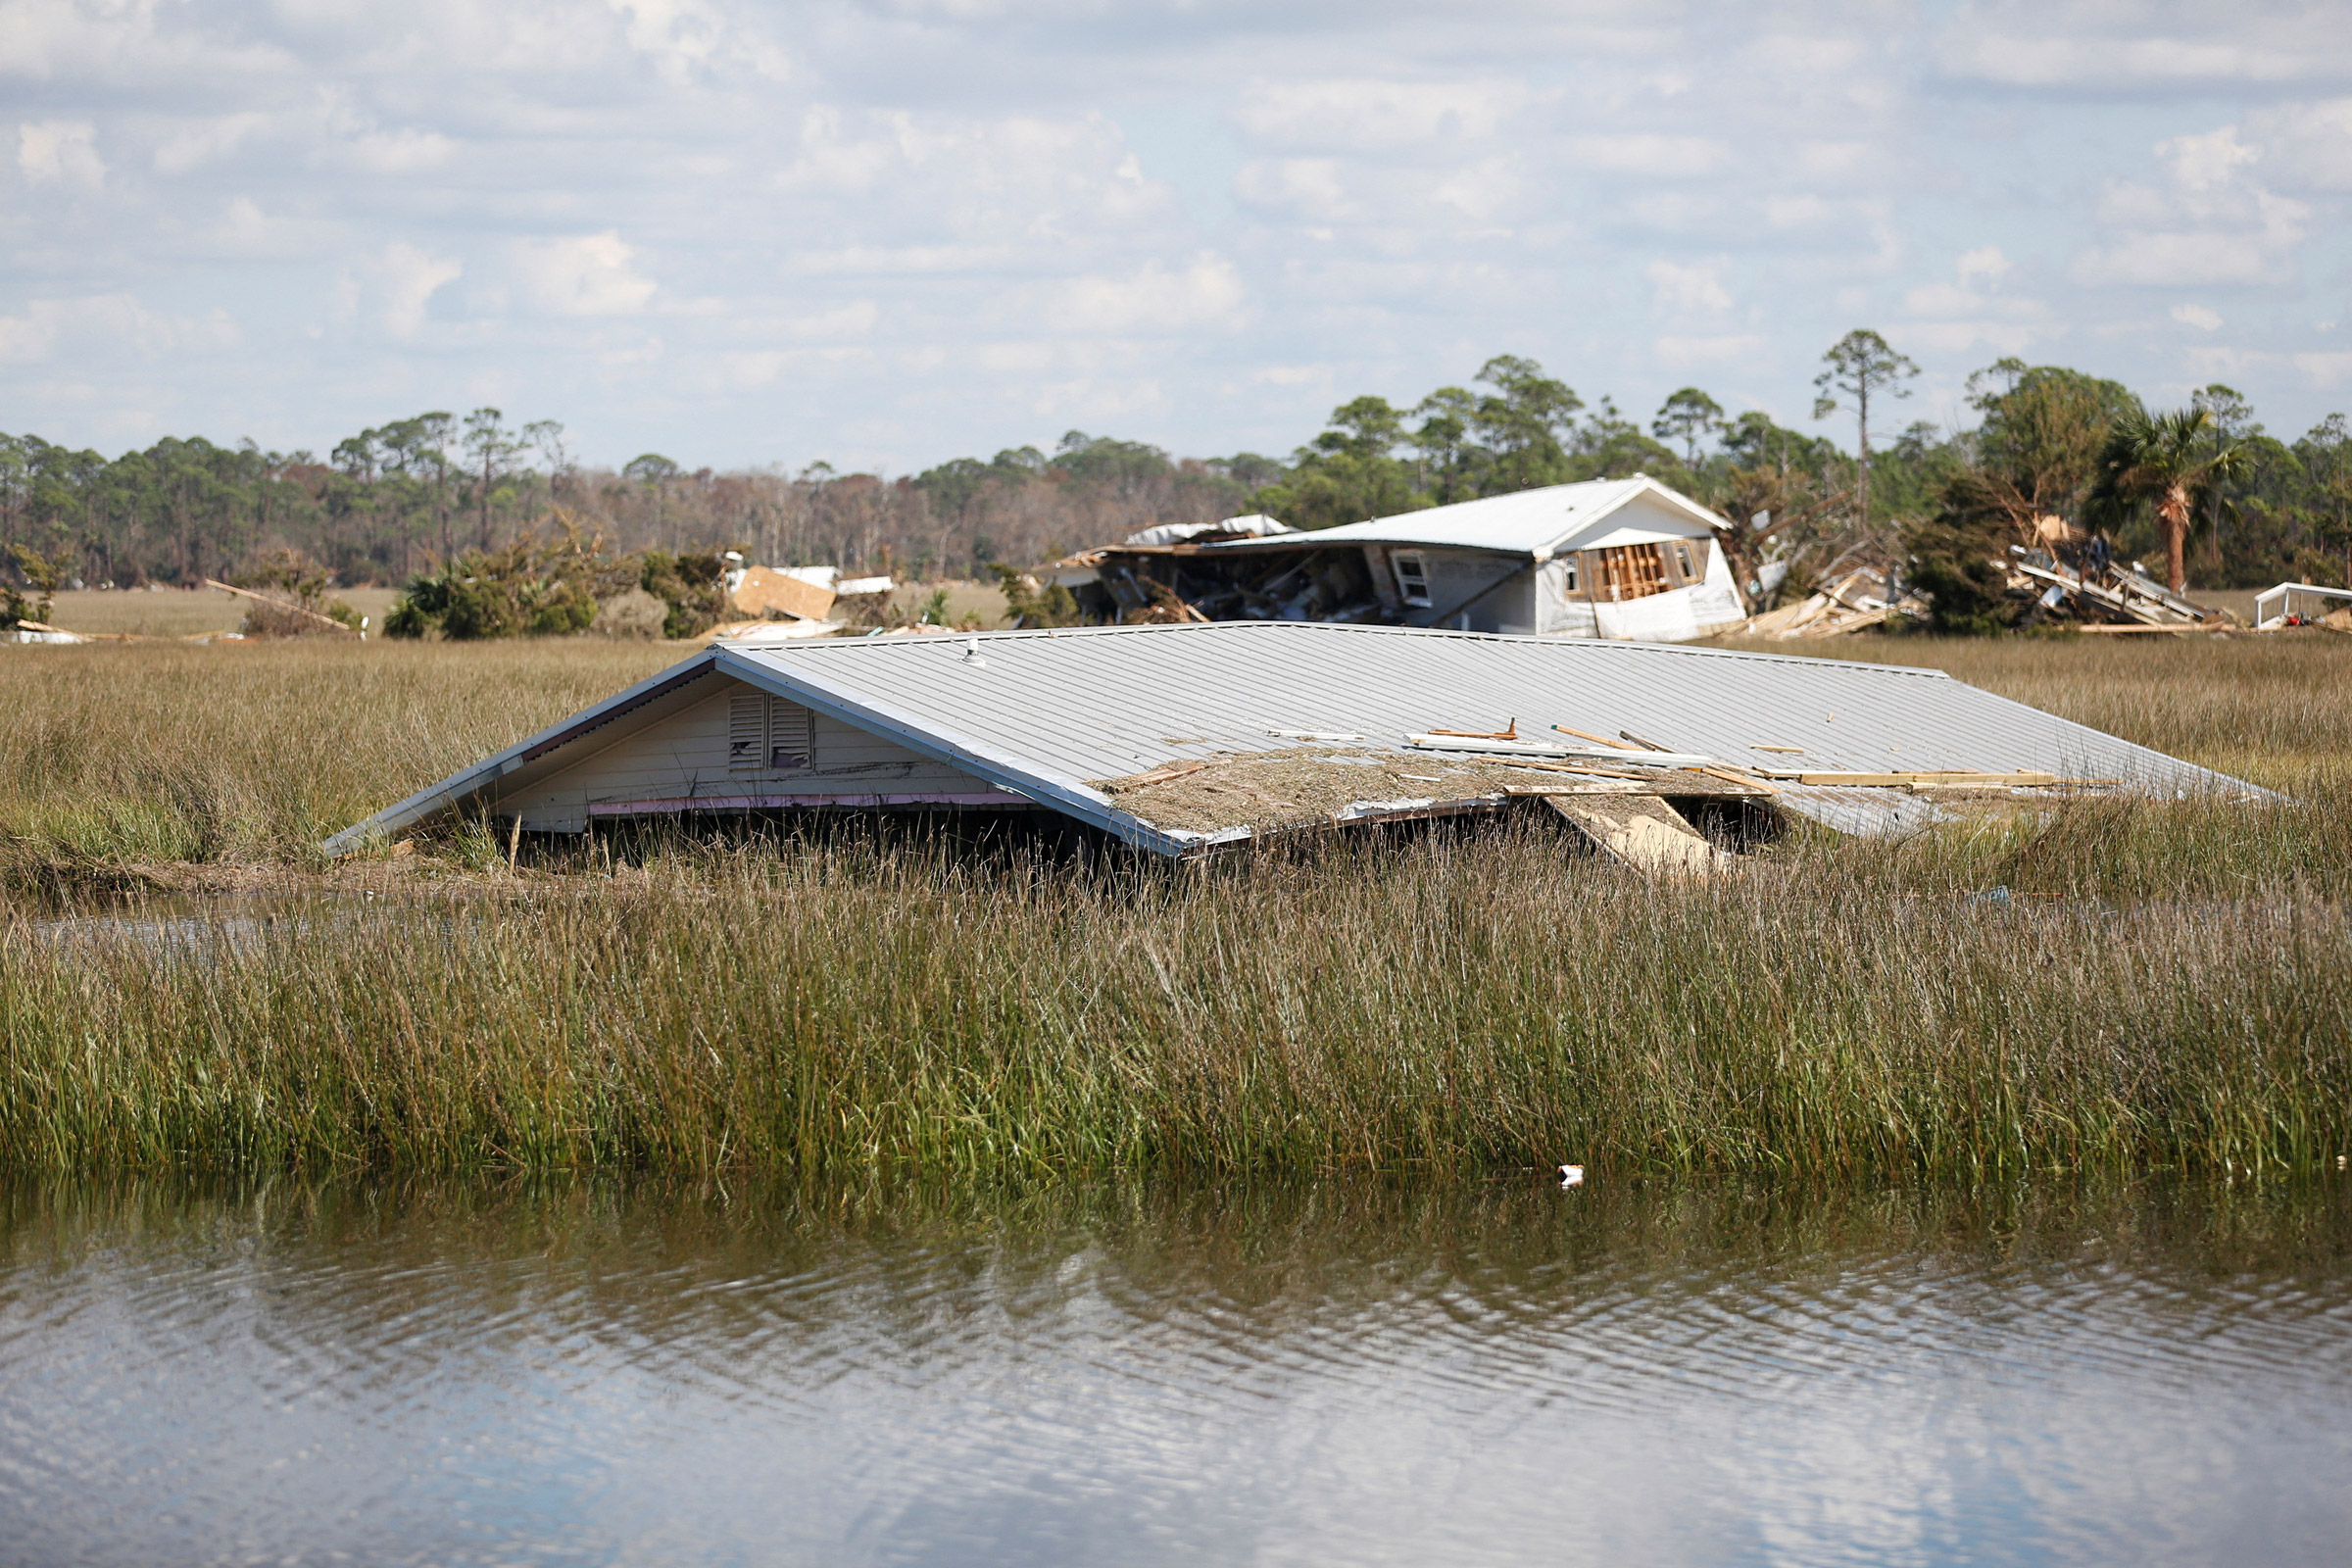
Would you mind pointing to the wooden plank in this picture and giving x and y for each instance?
(1891, 780)
(283, 603)
(762, 590)
(1644, 834)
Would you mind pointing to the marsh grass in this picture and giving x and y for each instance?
(1363, 1007)
(2110, 986)
(123, 755)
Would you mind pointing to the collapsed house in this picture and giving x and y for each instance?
(1608, 557)
(1184, 739)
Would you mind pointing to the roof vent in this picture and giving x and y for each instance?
(972, 654)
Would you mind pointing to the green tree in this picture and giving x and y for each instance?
(2166, 464)
(490, 451)
(1348, 474)
(1689, 416)
(1522, 423)
(1861, 366)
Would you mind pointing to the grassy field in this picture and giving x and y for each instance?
(2154, 986)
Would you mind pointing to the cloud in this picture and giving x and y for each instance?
(60, 152)
(2307, 146)
(407, 278)
(1310, 188)
(2198, 316)
(829, 160)
(207, 141)
(1366, 116)
(1985, 264)
(1208, 292)
(1679, 290)
(853, 319)
(402, 152)
(584, 274)
(1681, 353)
(1659, 157)
(98, 323)
(2209, 224)
(2163, 46)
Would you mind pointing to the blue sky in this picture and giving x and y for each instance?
(889, 232)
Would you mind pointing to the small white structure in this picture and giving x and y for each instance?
(2304, 602)
(1622, 559)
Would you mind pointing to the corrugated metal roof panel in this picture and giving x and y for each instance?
(1100, 703)
(1044, 711)
(1527, 522)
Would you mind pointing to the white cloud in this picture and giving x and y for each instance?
(1679, 290)
(1309, 188)
(1660, 156)
(1208, 292)
(1482, 190)
(407, 278)
(1682, 353)
(402, 152)
(584, 274)
(2326, 370)
(99, 324)
(2198, 316)
(2307, 146)
(1372, 116)
(2209, 224)
(829, 160)
(1985, 264)
(2152, 46)
(853, 319)
(61, 152)
(207, 141)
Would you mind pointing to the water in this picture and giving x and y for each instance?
(1332, 1373)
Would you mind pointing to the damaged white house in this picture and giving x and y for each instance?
(1620, 559)
(1180, 739)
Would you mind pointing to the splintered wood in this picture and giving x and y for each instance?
(1285, 790)
(1643, 833)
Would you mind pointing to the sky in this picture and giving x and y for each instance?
(881, 234)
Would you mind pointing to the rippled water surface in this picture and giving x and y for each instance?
(1325, 1374)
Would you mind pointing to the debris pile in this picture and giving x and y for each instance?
(1868, 596)
(2099, 594)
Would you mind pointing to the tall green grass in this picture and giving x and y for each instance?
(114, 756)
(1408, 1007)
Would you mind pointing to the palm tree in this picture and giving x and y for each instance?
(2168, 463)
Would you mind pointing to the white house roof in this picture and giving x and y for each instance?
(1535, 524)
(1037, 713)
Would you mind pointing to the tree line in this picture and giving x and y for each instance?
(399, 502)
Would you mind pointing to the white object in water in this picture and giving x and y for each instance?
(1572, 1175)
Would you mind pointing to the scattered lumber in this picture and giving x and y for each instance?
(1895, 780)
(1643, 833)
(286, 605)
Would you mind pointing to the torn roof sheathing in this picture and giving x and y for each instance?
(1537, 524)
(1039, 713)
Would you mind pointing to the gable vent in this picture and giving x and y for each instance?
(768, 734)
(747, 732)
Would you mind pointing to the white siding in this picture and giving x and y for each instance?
(684, 758)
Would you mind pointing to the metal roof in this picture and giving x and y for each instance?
(1041, 712)
(1535, 524)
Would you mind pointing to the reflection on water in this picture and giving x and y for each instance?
(1320, 1374)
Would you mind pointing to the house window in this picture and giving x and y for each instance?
(1413, 578)
(766, 734)
(1682, 562)
(1572, 578)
